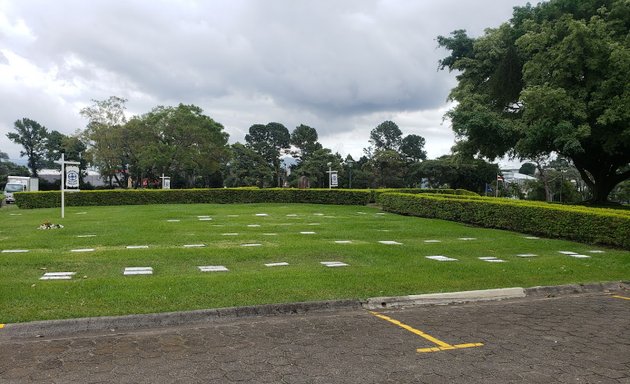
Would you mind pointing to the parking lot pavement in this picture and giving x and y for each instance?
(570, 339)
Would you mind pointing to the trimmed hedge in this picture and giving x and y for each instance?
(50, 199)
(588, 225)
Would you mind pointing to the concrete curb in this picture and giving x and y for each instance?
(443, 298)
(118, 324)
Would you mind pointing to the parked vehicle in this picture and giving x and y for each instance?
(19, 184)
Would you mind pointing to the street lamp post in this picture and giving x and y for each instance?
(349, 162)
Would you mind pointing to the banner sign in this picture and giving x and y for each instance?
(333, 179)
(72, 176)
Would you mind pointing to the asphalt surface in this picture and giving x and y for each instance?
(583, 338)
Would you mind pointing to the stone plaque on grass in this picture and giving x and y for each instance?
(491, 259)
(57, 276)
(14, 250)
(82, 250)
(194, 245)
(332, 264)
(213, 268)
(440, 258)
(343, 241)
(432, 241)
(307, 233)
(281, 264)
(389, 242)
(526, 255)
(137, 247)
(251, 245)
(138, 271)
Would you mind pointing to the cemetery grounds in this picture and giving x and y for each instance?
(159, 258)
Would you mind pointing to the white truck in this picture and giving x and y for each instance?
(19, 184)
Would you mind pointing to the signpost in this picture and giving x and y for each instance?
(332, 177)
(166, 182)
(69, 179)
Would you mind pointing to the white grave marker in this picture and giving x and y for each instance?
(270, 234)
(432, 241)
(318, 214)
(307, 233)
(251, 245)
(526, 255)
(137, 246)
(81, 213)
(213, 268)
(332, 264)
(343, 241)
(253, 225)
(229, 234)
(205, 219)
(532, 237)
(568, 252)
(14, 250)
(282, 264)
(232, 215)
(491, 259)
(261, 214)
(467, 238)
(173, 220)
(57, 276)
(138, 271)
(440, 258)
(578, 256)
(15, 214)
(390, 242)
(291, 215)
(596, 251)
(82, 250)
(194, 245)
(86, 235)
(361, 213)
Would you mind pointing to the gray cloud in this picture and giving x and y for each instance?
(339, 66)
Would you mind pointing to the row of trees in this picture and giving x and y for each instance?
(193, 149)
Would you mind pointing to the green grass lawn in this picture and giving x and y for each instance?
(99, 287)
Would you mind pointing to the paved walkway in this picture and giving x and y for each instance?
(571, 339)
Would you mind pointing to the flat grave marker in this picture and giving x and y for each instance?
(568, 252)
(205, 219)
(253, 225)
(343, 241)
(532, 237)
(333, 264)
(173, 220)
(389, 242)
(307, 233)
(285, 224)
(318, 214)
(491, 259)
(526, 255)
(261, 214)
(281, 264)
(596, 251)
(251, 245)
(81, 213)
(578, 256)
(291, 215)
(137, 247)
(361, 213)
(433, 241)
(86, 235)
(380, 213)
(57, 276)
(229, 234)
(194, 245)
(270, 234)
(82, 250)
(467, 238)
(15, 214)
(138, 271)
(314, 224)
(232, 215)
(440, 258)
(14, 250)
(213, 268)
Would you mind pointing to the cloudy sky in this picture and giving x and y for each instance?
(340, 66)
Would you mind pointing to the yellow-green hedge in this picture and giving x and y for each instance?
(588, 225)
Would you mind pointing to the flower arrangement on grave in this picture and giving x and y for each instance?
(48, 225)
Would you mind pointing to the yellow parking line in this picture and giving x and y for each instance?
(621, 297)
(441, 345)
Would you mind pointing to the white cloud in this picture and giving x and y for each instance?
(342, 67)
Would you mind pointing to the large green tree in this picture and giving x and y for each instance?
(104, 135)
(304, 138)
(554, 79)
(268, 141)
(32, 136)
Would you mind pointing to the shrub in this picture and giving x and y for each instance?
(51, 199)
(589, 225)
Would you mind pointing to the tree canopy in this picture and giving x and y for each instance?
(33, 137)
(554, 79)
